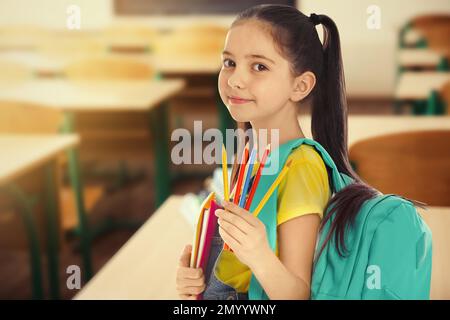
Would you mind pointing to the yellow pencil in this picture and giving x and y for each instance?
(225, 174)
(272, 188)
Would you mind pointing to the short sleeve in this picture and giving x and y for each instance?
(305, 189)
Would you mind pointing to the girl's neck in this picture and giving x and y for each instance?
(287, 130)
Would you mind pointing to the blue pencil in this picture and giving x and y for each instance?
(251, 162)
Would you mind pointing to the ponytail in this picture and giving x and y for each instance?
(329, 128)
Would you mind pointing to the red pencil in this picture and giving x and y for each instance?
(239, 183)
(257, 177)
(241, 174)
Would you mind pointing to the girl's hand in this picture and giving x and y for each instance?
(244, 233)
(190, 281)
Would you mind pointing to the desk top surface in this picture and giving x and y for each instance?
(123, 95)
(418, 85)
(364, 127)
(21, 153)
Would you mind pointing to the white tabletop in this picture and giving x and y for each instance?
(419, 57)
(22, 153)
(418, 85)
(364, 127)
(92, 95)
(145, 267)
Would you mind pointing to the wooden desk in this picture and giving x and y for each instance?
(418, 85)
(364, 127)
(40, 64)
(426, 58)
(145, 267)
(22, 156)
(126, 95)
(54, 65)
(22, 153)
(179, 64)
(107, 96)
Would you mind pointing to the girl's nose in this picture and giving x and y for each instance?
(235, 82)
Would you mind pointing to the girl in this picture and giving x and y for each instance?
(274, 64)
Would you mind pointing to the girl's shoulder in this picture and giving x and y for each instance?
(306, 154)
(305, 188)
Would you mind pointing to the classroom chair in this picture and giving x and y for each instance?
(426, 25)
(96, 127)
(110, 69)
(129, 38)
(112, 136)
(444, 98)
(415, 165)
(72, 44)
(197, 40)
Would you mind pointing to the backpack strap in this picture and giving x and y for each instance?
(281, 154)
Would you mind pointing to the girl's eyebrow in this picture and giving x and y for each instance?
(260, 56)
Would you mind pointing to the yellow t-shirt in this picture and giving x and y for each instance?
(304, 190)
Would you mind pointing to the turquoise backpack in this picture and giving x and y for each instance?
(389, 246)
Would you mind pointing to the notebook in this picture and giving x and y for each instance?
(204, 231)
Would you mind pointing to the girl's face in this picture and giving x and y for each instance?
(253, 70)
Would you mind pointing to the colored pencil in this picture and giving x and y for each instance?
(248, 177)
(257, 177)
(239, 183)
(226, 193)
(272, 188)
(241, 174)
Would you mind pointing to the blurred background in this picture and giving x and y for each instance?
(90, 91)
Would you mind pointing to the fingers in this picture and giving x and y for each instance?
(191, 290)
(227, 238)
(193, 282)
(235, 220)
(190, 281)
(232, 230)
(187, 287)
(185, 258)
(240, 212)
(189, 273)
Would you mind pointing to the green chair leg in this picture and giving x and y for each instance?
(26, 211)
(52, 231)
(159, 127)
(443, 65)
(75, 179)
(434, 104)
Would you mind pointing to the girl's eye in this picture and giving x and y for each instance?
(226, 63)
(260, 67)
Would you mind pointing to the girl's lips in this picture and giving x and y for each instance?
(238, 101)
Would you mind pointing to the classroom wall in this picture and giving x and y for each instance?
(52, 13)
(369, 55)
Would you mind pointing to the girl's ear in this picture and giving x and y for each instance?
(303, 85)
